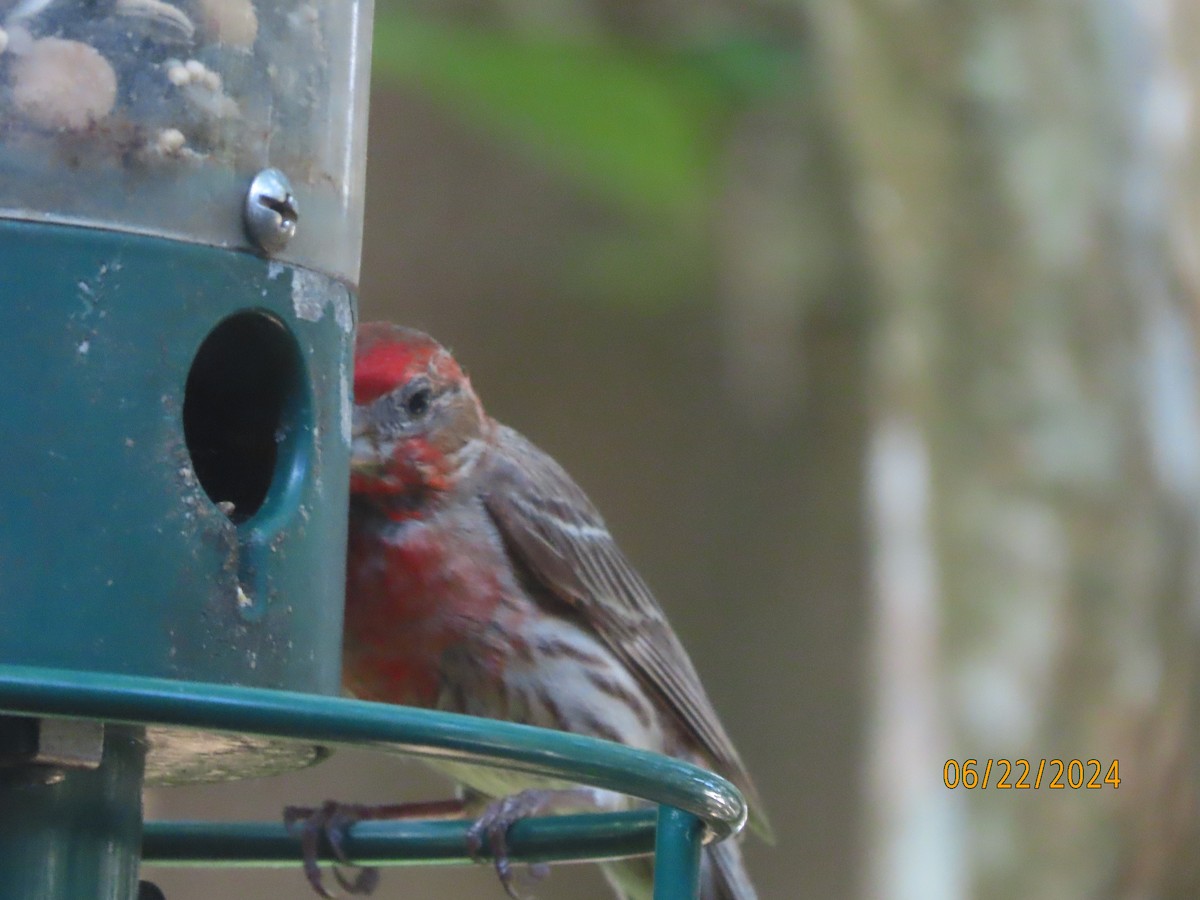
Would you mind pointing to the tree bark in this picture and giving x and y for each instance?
(1033, 471)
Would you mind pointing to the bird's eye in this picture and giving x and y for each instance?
(417, 403)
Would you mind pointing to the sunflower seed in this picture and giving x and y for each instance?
(157, 20)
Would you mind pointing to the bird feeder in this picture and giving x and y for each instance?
(181, 189)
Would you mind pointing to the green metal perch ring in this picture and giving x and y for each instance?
(693, 805)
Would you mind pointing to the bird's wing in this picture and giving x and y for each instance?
(555, 533)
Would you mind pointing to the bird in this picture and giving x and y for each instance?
(482, 580)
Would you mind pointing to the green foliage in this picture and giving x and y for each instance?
(639, 128)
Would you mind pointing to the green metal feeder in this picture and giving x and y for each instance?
(181, 190)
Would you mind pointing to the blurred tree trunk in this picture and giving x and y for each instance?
(1034, 467)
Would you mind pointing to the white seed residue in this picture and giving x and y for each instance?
(311, 293)
(346, 401)
(202, 87)
(304, 18)
(343, 312)
(169, 141)
(177, 73)
(243, 599)
(19, 38)
(182, 74)
(308, 295)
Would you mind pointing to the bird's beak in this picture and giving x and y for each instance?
(363, 458)
(364, 453)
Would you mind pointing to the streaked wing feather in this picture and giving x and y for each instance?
(554, 530)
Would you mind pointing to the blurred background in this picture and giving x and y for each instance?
(871, 329)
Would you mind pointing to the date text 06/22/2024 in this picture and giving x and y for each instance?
(1022, 774)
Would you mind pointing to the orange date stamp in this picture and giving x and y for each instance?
(1022, 774)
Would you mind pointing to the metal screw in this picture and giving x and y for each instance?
(271, 211)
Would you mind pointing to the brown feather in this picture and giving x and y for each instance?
(557, 536)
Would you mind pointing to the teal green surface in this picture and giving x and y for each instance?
(677, 855)
(400, 843)
(402, 730)
(136, 594)
(80, 837)
(690, 798)
(113, 556)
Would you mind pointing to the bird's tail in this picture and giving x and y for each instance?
(722, 875)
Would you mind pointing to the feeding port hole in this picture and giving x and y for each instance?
(242, 408)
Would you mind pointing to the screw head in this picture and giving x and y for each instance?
(271, 211)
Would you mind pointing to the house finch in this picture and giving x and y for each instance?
(481, 580)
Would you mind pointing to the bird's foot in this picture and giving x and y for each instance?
(333, 820)
(490, 831)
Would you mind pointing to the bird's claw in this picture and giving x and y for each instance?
(494, 825)
(333, 820)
